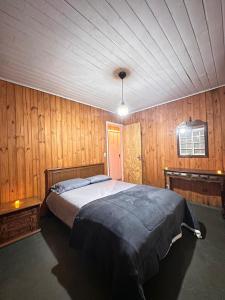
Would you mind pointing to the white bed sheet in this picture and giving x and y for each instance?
(67, 205)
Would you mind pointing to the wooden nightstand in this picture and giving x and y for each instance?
(19, 219)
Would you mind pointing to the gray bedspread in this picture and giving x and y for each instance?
(128, 233)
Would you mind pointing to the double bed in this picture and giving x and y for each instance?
(68, 204)
(126, 229)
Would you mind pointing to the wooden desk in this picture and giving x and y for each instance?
(18, 220)
(197, 175)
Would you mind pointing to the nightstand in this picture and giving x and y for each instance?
(19, 219)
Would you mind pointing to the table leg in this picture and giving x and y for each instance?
(165, 179)
(170, 184)
(223, 200)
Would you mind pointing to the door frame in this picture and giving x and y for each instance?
(121, 144)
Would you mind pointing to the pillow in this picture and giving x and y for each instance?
(98, 178)
(67, 185)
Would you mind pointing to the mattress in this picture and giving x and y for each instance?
(67, 205)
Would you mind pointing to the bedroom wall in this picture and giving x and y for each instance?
(39, 131)
(159, 148)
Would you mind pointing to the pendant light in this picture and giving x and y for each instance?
(122, 109)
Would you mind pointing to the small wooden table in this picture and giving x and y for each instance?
(197, 175)
(19, 219)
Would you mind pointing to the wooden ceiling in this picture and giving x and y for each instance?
(172, 48)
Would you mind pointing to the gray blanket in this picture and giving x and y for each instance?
(128, 233)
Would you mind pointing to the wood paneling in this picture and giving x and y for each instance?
(40, 131)
(159, 147)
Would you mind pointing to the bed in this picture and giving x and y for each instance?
(67, 205)
(126, 229)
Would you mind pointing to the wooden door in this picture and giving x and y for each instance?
(114, 150)
(132, 153)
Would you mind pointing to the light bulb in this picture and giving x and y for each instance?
(122, 110)
(182, 130)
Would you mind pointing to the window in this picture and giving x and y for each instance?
(192, 139)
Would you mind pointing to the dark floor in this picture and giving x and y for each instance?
(44, 267)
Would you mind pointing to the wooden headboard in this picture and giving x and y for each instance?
(53, 176)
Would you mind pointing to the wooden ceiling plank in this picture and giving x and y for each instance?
(137, 36)
(197, 16)
(66, 88)
(89, 45)
(34, 47)
(136, 66)
(131, 88)
(98, 36)
(37, 23)
(82, 91)
(166, 22)
(71, 48)
(11, 53)
(181, 18)
(41, 40)
(214, 11)
(135, 24)
(46, 86)
(148, 19)
(103, 21)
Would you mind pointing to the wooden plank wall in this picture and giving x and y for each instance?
(39, 131)
(159, 147)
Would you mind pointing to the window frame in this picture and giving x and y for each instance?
(190, 126)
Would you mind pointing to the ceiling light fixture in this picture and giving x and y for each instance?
(122, 109)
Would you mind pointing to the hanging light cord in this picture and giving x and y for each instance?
(122, 102)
